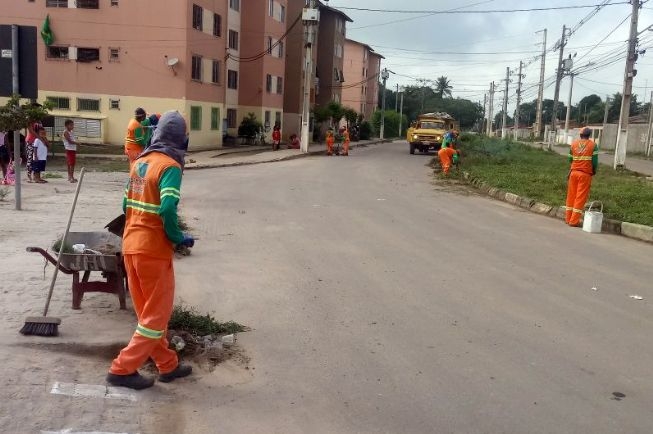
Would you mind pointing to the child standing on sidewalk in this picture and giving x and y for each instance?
(70, 144)
(41, 146)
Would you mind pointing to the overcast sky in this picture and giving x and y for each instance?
(408, 45)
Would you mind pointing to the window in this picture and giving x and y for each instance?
(198, 14)
(279, 84)
(215, 118)
(59, 102)
(217, 25)
(336, 76)
(342, 76)
(280, 49)
(114, 54)
(338, 50)
(56, 3)
(114, 104)
(195, 118)
(231, 118)
(196, 68)
(268, 116)
(88, 54)
(233, 39)
(270, 43)
(87, 4)
(277, 118)
(234, 4)
(282, 14)
(268, 83)
(215, 76)
(232, 79)
(114, 2)
(57, 52)
(88, 105)
(271, 8)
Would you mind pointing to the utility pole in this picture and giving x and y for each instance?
(397, 98)
(556, 94)
(650, 126)
(622, 132)
(483, 126)
(517, 113)
(605, 118)
(571, 90)
(310, 17)
(16, 89)
(540, 92)
(490, 118)
(401, 111)
(505, 106)
(384, 76)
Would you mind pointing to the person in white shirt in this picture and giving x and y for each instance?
(70, 144)
(41, 146)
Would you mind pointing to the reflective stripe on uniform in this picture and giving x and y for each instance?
(142, 206)
(149, 333)
(583, 158)
(576, 210)
(170, 191)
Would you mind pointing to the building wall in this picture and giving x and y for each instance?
(329, 60)
(144, 36)
(373, 85)
(231, 95)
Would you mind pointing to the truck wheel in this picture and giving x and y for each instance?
(412, 148)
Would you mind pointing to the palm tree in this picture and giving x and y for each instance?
(443, 87)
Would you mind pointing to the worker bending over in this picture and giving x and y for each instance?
(448, 154)
(584, 159)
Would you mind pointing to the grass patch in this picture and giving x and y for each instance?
(52, 175)
(84, 148)
(188, 319)
(91, 164)
(542, 175)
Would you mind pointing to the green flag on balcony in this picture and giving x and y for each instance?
(46, 31)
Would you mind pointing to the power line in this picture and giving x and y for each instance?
(478, 11)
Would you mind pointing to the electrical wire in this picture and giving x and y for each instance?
(490, 11)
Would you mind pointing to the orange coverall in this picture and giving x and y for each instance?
(583, 155)
(330, 140)
(446, 154)
(135, 140)
(152, 194)
(345, 145)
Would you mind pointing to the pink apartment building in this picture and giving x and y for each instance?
(362, 66)
(111, 56)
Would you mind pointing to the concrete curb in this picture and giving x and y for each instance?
(273, 159)
(630, 230)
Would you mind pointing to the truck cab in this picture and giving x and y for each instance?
(428, 131)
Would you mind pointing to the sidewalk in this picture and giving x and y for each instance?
(257, 155)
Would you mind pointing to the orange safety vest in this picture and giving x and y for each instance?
(346, 136)
(144, 232)
(582, 151)
(330, 139)
(134, 130)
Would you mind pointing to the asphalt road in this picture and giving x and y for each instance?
(382, 301)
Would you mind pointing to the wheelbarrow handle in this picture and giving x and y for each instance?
(50, 259)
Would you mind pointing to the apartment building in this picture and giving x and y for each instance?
(111, 56)
(362, 66)
(328, 55)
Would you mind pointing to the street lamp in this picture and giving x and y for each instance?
(384, 75)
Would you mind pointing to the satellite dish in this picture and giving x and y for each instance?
(173, 61)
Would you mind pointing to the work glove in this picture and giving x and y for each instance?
(187, 241)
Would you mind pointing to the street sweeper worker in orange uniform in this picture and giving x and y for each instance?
(136, 137)
(150, 236)
(346, 140)
(584, 159)
(330, 140)
(447, 154)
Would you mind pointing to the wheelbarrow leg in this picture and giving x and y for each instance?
(121, 283)
(78, 291)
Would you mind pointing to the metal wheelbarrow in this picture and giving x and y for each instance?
(102, 254)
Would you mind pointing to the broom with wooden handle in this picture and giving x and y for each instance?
(47, 325)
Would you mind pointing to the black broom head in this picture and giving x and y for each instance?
(41, 326)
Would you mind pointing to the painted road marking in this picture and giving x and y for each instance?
(92, 391)
(67, 431)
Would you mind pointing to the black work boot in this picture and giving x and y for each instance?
(133, 381)
(179, 372)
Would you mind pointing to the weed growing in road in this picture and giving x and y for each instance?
(52, 175)
(188, 319)
(3, 193)
(542, 175)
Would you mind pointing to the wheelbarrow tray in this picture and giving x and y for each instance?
(106, 243)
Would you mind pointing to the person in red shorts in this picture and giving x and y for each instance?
(70, 144)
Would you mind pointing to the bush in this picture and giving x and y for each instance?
(391, 123)
(250, 126)
(365, 132)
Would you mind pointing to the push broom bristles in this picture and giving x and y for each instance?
(41, 326)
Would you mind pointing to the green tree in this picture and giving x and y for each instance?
(351, 116)
(14, 116)
(443, 87)
(391, 128)
(250, 126)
